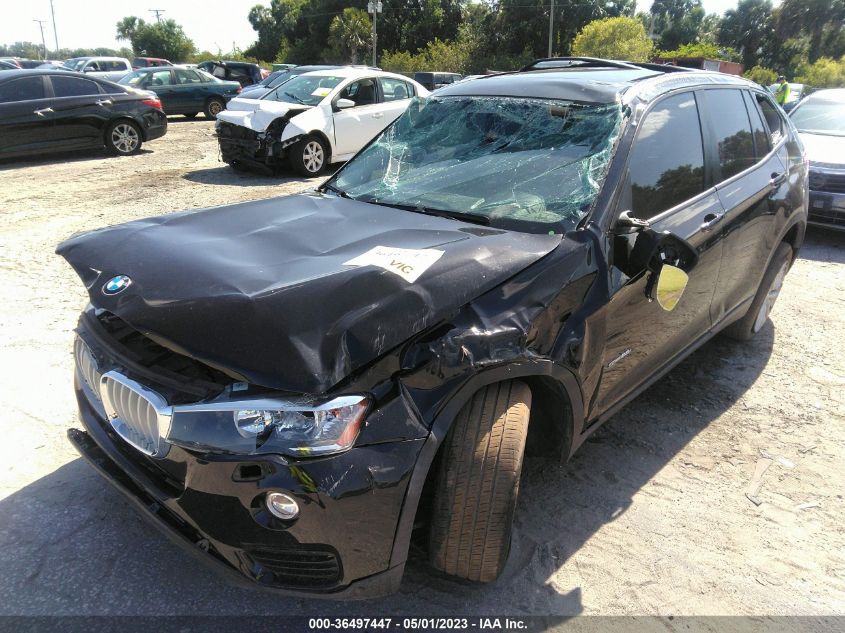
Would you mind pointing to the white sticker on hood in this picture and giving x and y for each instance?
(408, 263)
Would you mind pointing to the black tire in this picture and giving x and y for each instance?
(124, 138)
(190, 115)
(309, 156)
(213, 107)
(478, 483)
(767, 293)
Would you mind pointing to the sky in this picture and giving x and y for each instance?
(211, 24)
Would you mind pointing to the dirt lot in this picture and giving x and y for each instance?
(650, 517)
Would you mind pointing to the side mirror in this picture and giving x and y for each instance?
(344, 104)
(670, 286)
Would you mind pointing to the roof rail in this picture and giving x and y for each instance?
(545, 63)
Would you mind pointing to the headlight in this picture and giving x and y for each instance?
(264, 426)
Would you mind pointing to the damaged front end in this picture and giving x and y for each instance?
(264, 150)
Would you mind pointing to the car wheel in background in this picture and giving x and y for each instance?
(478, 483)
(308, 157)
(191, 115)
(764, 300)
(123, 138)
(213, 107)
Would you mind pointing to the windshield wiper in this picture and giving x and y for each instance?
(472, 218)
(333, 189)
(293, 96)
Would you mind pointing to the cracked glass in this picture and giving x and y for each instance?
(530, 164)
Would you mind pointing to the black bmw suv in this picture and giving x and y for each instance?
(295, 386)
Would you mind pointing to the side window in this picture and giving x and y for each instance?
(395, 89)
(362, 92)
(731, 129)
(758, 130)
(111, 66)
(772, 117)
(159, 78)
(22, 90)
(187, 77)
(92, 66)
(237, 74)
(666, 165)
(219, 72)
(73, 86)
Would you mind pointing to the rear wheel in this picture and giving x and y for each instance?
(213, 107)
(478, 483)
(123, 138)
(764, 300)
(308, 157)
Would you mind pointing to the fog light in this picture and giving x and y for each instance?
(282, 506)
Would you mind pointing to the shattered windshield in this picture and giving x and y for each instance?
(304, 89)
(530, 164)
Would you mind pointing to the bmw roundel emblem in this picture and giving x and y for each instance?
(116, 285)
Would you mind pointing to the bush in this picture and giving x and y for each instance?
(703, 49)
(824, 73)
(614, 38)
(761, 75)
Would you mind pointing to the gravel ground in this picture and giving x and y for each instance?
(650, 517)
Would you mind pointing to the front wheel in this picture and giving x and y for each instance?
(764, 300)
(478, 483)
(123, 138)
(308, 157)
(214, 107)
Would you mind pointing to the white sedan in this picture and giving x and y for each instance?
(314, 119)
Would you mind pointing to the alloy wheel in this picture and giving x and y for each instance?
(771, 297)
(125, 138)
(215, 108)
(313, 156)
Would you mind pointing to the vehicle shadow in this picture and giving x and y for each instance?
(76, 156)
(70, 530)
(823, 245)
(226, 175)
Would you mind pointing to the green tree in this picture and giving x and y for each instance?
(824, 73)
(350, 34)
(761, 75)
(160, 39)
(706, 50)
(677, 21)
(823, 21)
(749, 28)
(616, 38)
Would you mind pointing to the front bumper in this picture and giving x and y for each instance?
(827, 198)
(340, 546)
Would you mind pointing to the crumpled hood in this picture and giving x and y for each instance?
(824, 149)
(257, 114)
(265, 289)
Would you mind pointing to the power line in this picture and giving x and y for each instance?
(55, 33)
(158, 13)
(43, 41)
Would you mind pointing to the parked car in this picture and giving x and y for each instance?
(184, 91)
(109, 68)
(244, 73)
(292, 387)
(13, 61)
(149, 62)
(820, 119)
(433, 81)
(277, 78)
(796, 93)
(23, 63)
(4, 65)
(314, 119)
(56, 110)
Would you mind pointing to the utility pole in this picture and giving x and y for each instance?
(158, 13)
(551, 26)
(55, 33)
(43, 41)
(374, 7)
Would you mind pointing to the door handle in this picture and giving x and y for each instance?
(711, 220)
(777, 179)
(42, 111)
(104, 102)
(378, 115)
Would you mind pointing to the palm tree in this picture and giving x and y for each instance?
(351, 32)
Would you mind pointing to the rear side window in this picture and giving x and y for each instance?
(22, 90)
(731, 130)
(395, 89)
(73, 86)
(666, 164)
(758, 129)
(772, 117)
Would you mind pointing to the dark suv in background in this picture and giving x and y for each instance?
(433, 81)
(294, 387)
(244, 73)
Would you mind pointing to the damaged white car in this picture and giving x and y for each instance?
(314, 119)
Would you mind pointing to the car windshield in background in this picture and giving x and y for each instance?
(820, 117)
(304, 89)
(530, 164)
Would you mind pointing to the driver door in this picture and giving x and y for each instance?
(355, 127)
(667, 184)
